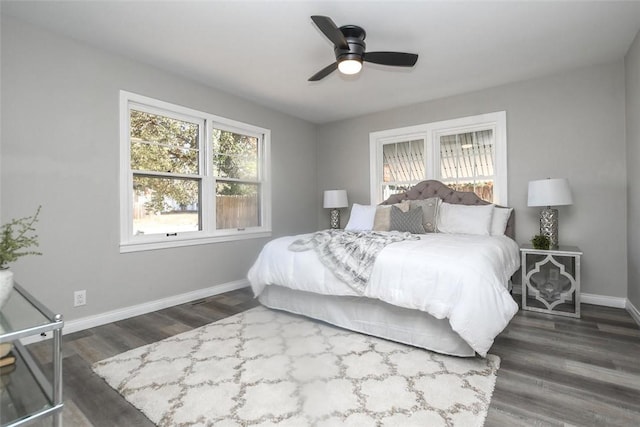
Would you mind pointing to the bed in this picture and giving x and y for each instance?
(443, 291)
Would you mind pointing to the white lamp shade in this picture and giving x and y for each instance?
(335, 199)
(550, 192)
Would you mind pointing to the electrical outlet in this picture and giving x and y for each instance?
(79, 298)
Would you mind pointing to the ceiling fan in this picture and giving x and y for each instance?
(350, 50)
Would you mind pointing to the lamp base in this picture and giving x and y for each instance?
(549, 225)
(335, 218)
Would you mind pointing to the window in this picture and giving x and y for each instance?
(403, 164)
(235, 168)
(467, 154)
(467, 161)
(189, 177)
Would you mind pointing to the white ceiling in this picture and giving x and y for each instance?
(266, 50)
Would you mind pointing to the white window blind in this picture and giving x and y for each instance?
(468, 154)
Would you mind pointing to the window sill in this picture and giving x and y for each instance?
(165, 244)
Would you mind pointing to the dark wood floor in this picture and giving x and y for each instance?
(555, 371)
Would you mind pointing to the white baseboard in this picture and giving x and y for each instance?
(136, 310)
(603, 300)
(633, 311)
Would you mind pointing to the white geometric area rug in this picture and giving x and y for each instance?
(269, 368)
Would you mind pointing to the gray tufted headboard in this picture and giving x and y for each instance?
(432, 188)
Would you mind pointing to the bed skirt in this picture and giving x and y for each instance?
(371, 317)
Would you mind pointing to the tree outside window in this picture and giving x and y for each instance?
(189, 177)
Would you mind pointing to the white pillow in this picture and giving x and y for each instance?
(499, 221)
(361, 217)
(463, 219)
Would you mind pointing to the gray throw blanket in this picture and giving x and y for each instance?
(350, 254)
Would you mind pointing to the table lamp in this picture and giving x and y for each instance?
(549, 192)
(334, 200)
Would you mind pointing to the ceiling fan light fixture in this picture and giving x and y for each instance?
(350, 66)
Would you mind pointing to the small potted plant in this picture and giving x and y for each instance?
(16, 240)
(541, 241)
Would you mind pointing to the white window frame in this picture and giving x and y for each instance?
(208, 233)
(430, 134)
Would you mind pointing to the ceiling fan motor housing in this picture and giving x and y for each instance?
(355, 40)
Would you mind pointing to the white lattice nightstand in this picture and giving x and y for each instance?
(551, 280)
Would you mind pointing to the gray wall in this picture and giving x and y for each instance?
(632, 64)
(566, 125)
(60, 149)
(59, 136)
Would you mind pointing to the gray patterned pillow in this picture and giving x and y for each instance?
(410, 221)
(429, 212)
(382, 220)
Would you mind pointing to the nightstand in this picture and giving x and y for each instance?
(551, 280)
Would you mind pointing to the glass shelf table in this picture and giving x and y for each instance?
(26, 394)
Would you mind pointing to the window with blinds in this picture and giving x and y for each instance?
(467, 154)
(403, 165)
(467, 162)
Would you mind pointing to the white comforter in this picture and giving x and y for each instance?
(459, 277)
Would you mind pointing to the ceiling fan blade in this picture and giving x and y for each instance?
(398, 59)
(329, 29)
(324, 72)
